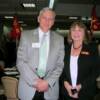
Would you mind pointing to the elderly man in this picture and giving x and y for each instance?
(40, 60)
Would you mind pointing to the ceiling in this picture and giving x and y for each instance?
(9, 7)
(63, 9)
(80, 1)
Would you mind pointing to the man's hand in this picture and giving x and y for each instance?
(42, 85)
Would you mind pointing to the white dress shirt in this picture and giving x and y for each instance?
(74, 69)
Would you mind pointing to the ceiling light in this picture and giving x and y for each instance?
(21, 22)
(29, 5)
(84, 18)
(51, 3)
(24, 25)
(89, 18)
(8, 17)
(73, 17)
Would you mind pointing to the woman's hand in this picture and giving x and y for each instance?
(68, 88)
(78, 87)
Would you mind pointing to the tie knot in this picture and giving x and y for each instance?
(44, 38)
(44, 35)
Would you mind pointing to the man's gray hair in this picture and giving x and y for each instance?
(47, 9)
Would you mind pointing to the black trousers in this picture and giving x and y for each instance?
(38, 96)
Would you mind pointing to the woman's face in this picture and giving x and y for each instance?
(77, 33)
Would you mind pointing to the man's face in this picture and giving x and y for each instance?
(46, 20)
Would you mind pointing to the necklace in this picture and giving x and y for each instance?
(77, 47)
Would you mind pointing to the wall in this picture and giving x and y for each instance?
(76, 9)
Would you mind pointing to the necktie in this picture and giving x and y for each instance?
(42, 57)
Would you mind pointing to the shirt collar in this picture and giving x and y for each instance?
(41, 33)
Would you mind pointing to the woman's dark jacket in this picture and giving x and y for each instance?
(88, 70)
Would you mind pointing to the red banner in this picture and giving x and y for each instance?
(16, 30)
(95, 24)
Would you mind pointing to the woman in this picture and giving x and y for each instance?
(81, 66)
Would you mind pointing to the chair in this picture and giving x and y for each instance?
(1, 92)
(10, 86)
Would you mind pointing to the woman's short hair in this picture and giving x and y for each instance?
(81, 25)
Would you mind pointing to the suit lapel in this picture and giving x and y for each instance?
(80, 61)
(35, 36)
(68, 61)
(51, 46)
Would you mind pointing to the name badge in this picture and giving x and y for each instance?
(35, 45)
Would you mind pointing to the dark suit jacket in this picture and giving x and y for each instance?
(88, 65)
